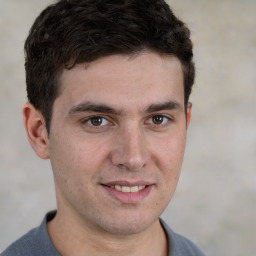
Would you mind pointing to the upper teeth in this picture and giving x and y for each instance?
(126, 189)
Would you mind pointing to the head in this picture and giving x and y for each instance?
(72, 32)
(108, 84)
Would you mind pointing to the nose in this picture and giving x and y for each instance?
(130, 149)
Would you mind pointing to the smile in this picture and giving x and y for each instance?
(128, 189)
(128, 193)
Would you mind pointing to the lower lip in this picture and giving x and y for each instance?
(129, 197)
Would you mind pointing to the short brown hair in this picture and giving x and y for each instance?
(76, 31)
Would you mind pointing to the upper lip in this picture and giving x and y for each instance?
(128, 183)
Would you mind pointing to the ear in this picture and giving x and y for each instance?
(36, 130)
(189, 110)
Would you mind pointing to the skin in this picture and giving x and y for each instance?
(120, 119)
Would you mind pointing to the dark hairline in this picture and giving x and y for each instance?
(131, 55)
(136, 29)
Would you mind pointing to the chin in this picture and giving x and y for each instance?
(127, 224)
(126, 228)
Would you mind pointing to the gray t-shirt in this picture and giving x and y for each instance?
(37, 243)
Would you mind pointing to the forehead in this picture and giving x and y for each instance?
(124, 80)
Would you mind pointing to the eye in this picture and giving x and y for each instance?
(158, 120)
(96, 121)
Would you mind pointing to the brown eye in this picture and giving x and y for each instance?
(158, 119)
(96, 121)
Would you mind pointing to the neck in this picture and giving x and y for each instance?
(71, 237)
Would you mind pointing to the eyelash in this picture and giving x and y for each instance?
(165, 121)
(88, 121)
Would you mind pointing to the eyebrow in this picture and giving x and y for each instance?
(92, 107)
(101, 108)
(169, 105)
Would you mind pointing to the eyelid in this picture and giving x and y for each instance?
(168, 117)
(148, 121)
(89, 118)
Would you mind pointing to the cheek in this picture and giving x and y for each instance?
(169, 159)
(76, 158)
(170, 153)
(91, 154)
(71, 168)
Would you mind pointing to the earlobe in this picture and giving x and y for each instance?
(36, 130)
(188, 113)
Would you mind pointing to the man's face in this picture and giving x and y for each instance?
(118, 124)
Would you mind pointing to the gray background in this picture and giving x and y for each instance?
(215, 203)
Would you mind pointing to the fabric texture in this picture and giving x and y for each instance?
(179, 245)
(35, 243)
(38, 243)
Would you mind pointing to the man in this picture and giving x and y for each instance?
(108, 84)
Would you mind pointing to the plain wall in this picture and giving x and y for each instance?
(215, 202)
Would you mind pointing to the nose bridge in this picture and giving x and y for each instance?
(131, 149)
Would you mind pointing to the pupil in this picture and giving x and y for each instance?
(96, 121)
(158, 119)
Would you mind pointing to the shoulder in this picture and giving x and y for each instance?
(26, 245)
(180, 245)
(35, 243)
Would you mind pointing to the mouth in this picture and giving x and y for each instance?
(128, 193)
(128, 189)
